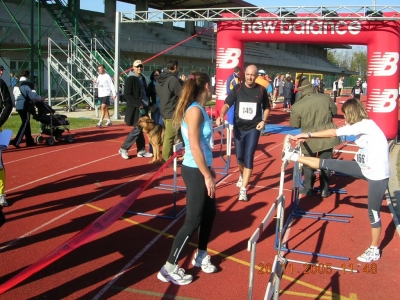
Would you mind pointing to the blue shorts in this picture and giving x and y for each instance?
(245, 145)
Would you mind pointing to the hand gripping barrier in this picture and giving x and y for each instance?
(280, 262)
(221, 170)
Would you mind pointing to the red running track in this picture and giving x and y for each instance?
(55, 192)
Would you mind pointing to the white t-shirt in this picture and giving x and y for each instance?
(105, 86)
(373, 153)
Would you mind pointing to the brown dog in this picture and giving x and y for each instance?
(155, 134)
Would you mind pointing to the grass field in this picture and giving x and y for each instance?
(14, 122)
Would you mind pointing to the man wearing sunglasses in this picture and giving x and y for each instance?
(137, 105)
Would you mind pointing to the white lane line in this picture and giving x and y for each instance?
(133, 260)
(45, 153)
(68, 212)
(62, 172)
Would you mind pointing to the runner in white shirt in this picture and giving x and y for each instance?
(106, 89)
(371, 162)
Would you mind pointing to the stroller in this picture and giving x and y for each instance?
(51, 124)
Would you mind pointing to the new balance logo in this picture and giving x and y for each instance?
(382, 102)
(383, 64)
(228, 58)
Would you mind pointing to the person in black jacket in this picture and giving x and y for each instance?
(135, 108)
(154, 101)
(6, 106)
(168, 88)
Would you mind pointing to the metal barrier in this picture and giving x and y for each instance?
(179, 147)
(280, 262)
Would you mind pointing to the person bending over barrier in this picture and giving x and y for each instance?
(199, 178)
(371, 162)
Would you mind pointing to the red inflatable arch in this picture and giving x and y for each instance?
(382, 37)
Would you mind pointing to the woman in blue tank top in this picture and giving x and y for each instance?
(199, 178)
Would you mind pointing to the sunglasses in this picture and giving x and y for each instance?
(140, 67)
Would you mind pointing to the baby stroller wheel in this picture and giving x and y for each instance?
(50, 141)
(38, 139)
(69, 138)
(59, 138)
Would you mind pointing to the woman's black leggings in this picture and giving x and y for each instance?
(200, 213)
(376, 188)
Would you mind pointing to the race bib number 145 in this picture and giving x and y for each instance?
(247, 110)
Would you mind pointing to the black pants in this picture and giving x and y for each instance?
(309, 176)
(200, 213)
(136, 135)
(334, 96)
(24, 129)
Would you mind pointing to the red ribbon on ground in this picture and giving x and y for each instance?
(85, 235)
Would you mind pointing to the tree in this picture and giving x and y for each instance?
(359, 63)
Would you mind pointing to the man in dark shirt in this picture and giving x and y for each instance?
(168, 88)
(250, 99)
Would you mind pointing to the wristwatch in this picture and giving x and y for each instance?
(309, 134)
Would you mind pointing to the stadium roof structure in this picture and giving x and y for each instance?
(190, 4)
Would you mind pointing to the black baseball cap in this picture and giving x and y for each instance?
(2, 68)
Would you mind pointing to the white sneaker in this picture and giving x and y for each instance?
(204, 263)
(144, 153)
(243, 195)
(239, 182)
(109, 123)
(287, 151)
(273, 105)
(100, 124)
(370, 254)
(124, 153)
(178, 276)
(3, 201)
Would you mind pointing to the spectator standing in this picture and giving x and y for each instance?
(250, 99)
(356, 91)
(371, 163)
(364, 88)
(261, 79)
(105, 90)
(134, 90)
(335, 89)
(316, 85)
(213, 83)
(321, 87)
(155, 102)
(231, 82)
(340, 86)
(288, 89)
(168, 89)
(6, 107)
(13, 80)
(24, 92)
(1, 71)
(281, 82)
(314, 112)
(199, 178)
(276, 88)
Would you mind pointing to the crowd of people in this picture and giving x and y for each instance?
(178, 103)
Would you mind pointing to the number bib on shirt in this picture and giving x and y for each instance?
(362, 159)
(247, 110)
(357, 92)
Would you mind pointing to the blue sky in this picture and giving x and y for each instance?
(97, 5)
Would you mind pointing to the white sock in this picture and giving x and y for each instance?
(373, 247)
(243, 188)
(169, 267)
